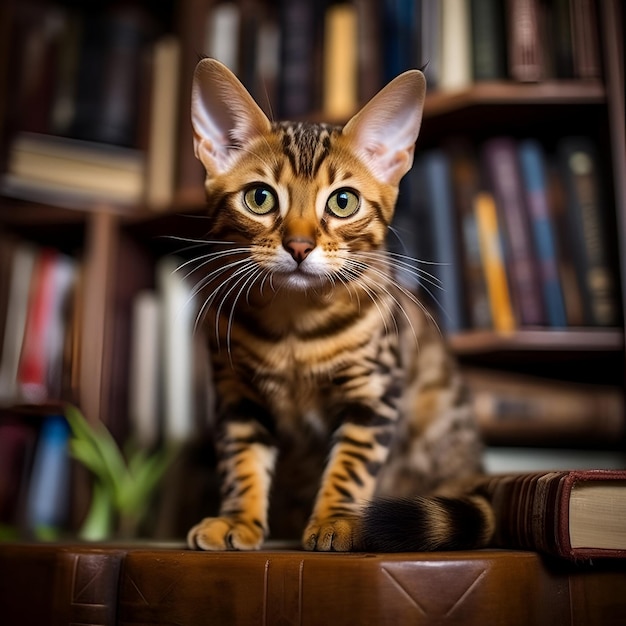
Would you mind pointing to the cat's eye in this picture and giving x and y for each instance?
(343, 203)
(259, 199)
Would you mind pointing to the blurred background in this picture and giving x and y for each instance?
(517, 202)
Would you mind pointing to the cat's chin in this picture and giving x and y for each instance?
(299, 281)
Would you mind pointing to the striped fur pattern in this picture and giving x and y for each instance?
(334, 389)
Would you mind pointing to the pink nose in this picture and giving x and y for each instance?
(299, 247)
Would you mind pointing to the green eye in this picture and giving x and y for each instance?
(343, 203)
(260, 199)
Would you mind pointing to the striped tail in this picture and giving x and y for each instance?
(426, 524)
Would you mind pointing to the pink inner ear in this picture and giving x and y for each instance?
(224, 115)
(385, 130)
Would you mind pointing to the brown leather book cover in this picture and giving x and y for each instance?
(294, 587)
(97, 585)
(59, 585)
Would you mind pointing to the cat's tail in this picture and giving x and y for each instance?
(427, 523)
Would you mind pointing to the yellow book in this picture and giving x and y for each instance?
(493, 262)
(340, 62)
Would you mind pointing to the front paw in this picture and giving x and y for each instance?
(225, 533)
(337, 535)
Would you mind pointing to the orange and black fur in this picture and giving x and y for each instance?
(335, 393)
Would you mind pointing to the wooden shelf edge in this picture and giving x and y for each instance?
(567, 340)
(513, 93)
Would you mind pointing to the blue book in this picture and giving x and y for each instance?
(48, 495)
(532, 166)
(447, 267)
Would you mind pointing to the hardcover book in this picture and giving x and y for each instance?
(577, 514)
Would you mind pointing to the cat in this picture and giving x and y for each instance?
(335, 391)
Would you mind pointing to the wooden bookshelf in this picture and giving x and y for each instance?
(563, 93)
(117, 242)
(580, 340)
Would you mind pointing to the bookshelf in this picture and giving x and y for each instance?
(118, 245)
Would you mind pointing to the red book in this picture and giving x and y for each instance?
(577, 514)
(32, 369)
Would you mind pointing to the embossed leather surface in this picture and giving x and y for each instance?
(162, 585)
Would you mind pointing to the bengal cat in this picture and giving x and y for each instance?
(334, 388)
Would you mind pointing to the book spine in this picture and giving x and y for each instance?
(161, 160)
(340, 90)
(177, 319)
(438, 190)
(493, 262)
(456, 45)
(22, 269)
(502, 167)
(585, 41)
(535, 187)
(488, 43)
(48, 497)
(525, 54)
(297, 91)
(587, 229)
(34, 358)
(466, 181)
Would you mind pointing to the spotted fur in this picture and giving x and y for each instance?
(334, 387)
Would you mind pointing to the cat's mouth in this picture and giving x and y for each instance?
(300, 278)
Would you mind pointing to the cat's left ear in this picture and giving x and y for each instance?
(384, 131)
(224, 116)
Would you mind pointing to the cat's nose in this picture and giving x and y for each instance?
(299, 247)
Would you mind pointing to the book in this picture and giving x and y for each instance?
(18, 295)
(160, 158)
(572, 514)
(528, 410)
(108, 75)
(466, 185)
(191, 16)
(491, 254)
(585, 39)
(31, 377)
(370, 46)
(178, 316)
(535, 185)
(144, 381)
(488, 42)
(525, 52)
(401, 37)
(340, 90)
(222, 34)
(47, 506)
(587, 228)
(446, 262)
(560, 32)
(298, 88)
(59, 584)
(570, 288)
(40, 368)
(503, 173)
(18, 436)
(290, 586)
(163, 583)
(455, 70)
(69, 166)
(430, 57)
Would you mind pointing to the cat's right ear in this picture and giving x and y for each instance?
(224, 116)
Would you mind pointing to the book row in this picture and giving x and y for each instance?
(510, 234)
(95, 106)
(306, 56)
(162, 386)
